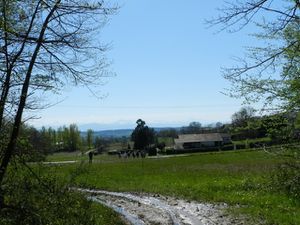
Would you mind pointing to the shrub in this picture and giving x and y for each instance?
(227, 147)
(152, 151)
(287, 178)
(30, 200)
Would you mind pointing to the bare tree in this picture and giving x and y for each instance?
(44, 45)
(268, 73)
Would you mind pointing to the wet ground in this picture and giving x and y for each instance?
(141, 208)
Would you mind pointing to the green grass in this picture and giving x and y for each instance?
(104, 215)
(241, 179)
(65, 156)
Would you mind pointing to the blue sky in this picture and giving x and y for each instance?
(167, 64)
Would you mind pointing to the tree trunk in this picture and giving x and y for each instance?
(10, 65)
(18, 118)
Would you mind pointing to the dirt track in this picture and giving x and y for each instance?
(140, 209)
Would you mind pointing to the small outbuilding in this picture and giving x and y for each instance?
(201, 141)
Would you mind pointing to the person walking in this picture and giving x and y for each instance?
(91, 154)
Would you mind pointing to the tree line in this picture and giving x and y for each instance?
(45, 45)
(34, 144)
(247, 123)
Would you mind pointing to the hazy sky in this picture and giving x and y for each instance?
(167, 64)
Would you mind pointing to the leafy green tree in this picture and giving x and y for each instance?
(297, 121)
(71, 140)
(45, 45)
(49, 135)
(279, 127)
(74, 139)
(170, 132)
(142, 135)
(90, 138)
(192, 128)
(33, 144)
(290, 92)
(269, 73)
(243, 116)
(101, 144)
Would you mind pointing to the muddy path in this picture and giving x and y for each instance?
(141, 208)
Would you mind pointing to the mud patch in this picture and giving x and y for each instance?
(140, 209)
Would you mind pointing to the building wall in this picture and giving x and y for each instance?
(194, 145)
(201, 141)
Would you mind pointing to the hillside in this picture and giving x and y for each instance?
(117, 133)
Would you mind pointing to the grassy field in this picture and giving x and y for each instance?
(105, 215)
(65, 156)
(241, 179)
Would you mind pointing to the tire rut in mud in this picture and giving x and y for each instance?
(146, 209)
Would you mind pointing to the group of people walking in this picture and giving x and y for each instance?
(123, 154)
(132, 153)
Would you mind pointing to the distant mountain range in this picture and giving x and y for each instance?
(117, 133)
(114, 133)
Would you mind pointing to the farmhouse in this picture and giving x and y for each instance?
(201, 141)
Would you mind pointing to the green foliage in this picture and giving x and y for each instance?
(43, 201)
(90, 138)
(101, 144)
(64, 138)
(279, 127)
(168, 133)
(4, 136)
(192, 128)
(47, 201)
(142, 136)
(291, 68)
(269, 73)
(245, 125)
(243, 116)
(287, 178)
(297, 121)
(74, 141)
(168, 141)
(32, 144)
(237, 178)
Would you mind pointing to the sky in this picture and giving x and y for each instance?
(167, 63)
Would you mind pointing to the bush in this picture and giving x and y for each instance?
(42, 201)
(287, 178)
(260, 144)
(227, 147)
(240, 146)
(152, 151)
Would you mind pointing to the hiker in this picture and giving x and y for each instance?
(91, 156)
(143, 154)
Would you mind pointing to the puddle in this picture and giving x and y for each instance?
(140, 209)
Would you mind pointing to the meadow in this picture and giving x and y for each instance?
(242, 179)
